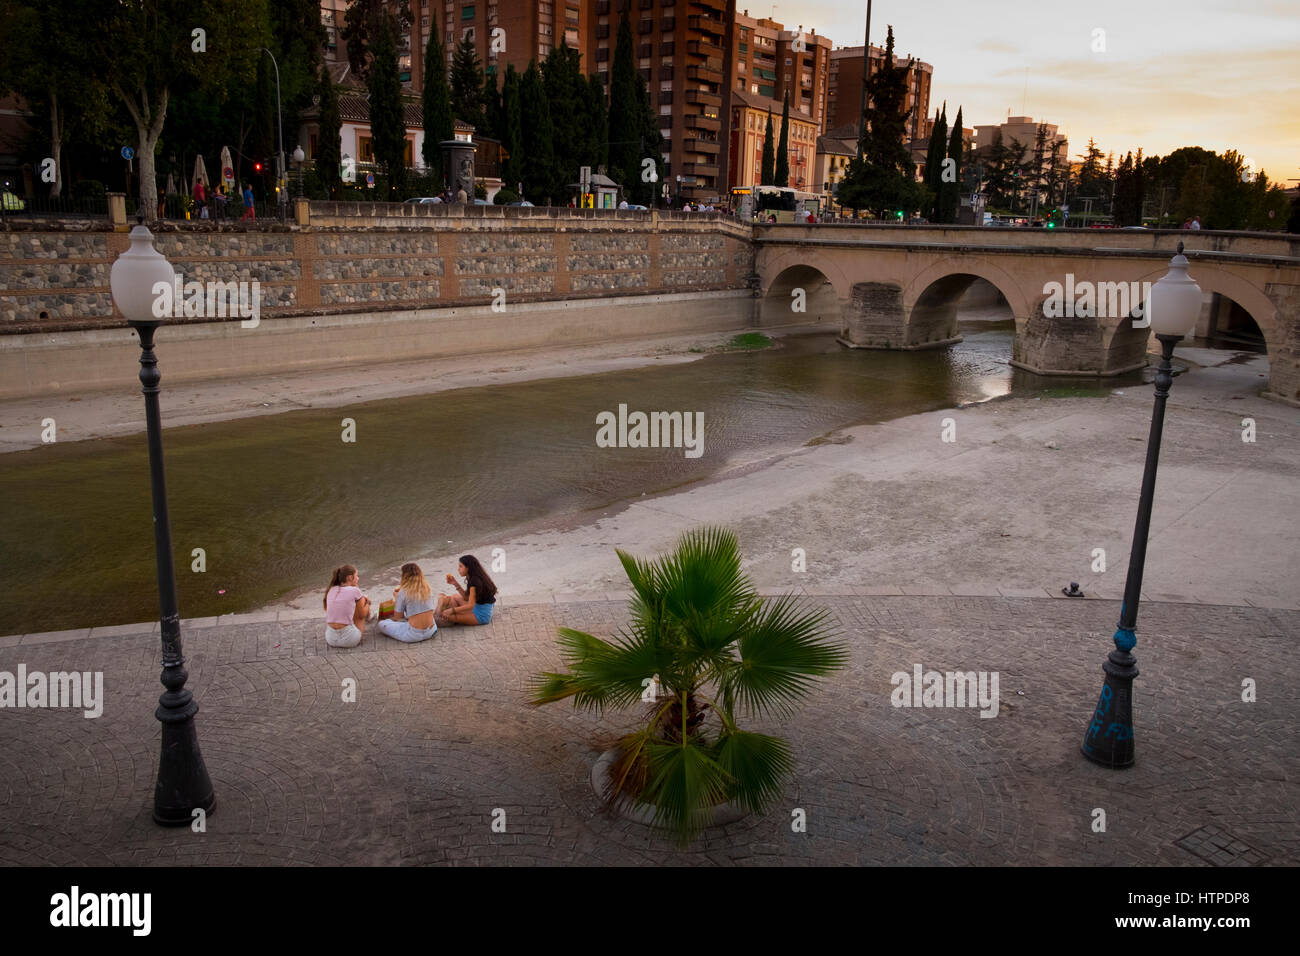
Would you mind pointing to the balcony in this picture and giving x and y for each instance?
(708, 25)
(717, 5)
(700, 169)
(602, 7)
(701, 122)
(703, 98)
(696, 145)
(666, 72)
(704, 48)
(704, 74)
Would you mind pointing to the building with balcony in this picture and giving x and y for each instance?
(769, 60)
(682, 52)
(844, 92)
(749, 113)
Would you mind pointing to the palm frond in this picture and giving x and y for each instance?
(757, 764)
(782, 653)
(601, 673)
(685, 783)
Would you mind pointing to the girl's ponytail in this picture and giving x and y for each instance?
(340, 575)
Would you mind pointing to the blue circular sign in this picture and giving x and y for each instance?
(128, 152)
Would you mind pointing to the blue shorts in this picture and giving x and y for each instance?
(483, 612)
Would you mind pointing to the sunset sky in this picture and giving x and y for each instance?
(1222, 74)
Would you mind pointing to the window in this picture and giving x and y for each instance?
(602, 55)
(467, 13)
(327, 17)
(645, 26)
(788, 61)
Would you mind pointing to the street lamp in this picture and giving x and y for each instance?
(183, 783)
(281, 185)
(1172, 307)
(298, 157)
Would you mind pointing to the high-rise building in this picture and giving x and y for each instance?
(769, 60)
(844, 96)
(1023, 130)
(682, 54)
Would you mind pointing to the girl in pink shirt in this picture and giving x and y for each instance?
(346, 608)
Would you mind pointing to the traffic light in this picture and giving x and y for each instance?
(257, 167)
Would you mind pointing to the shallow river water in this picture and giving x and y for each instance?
(276, 502)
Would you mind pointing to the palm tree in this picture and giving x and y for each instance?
(701, 650)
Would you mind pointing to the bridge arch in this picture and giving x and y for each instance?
(930, 299)
(800, 293)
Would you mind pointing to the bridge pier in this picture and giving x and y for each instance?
(1078, 346)
(874, 319)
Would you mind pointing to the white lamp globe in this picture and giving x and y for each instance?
(1174, 302)
(134, 275)
(298, 154)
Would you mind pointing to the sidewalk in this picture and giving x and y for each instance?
(440, 736)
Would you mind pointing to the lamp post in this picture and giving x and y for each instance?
(281, 185)
(183, 784)
(1172, 307)
(298, 157)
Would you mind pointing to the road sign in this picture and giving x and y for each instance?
(370, 180)
(128, 153)
(974, 199)
(228, 174)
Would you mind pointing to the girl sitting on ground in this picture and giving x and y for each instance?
(413, 608)
(346, 608)
(474, 602)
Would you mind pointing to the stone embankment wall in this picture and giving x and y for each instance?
(340, 283)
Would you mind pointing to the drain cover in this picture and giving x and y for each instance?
(1218, 847)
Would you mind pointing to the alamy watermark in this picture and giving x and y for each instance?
(651, 430)
(210, 300)
(951, 689)
(1097, 300)
(75, 909)
(82, 690)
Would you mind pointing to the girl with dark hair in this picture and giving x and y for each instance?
(413, 612)
(474, 602)
(346, 608)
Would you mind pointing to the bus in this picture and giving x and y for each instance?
(785, 203)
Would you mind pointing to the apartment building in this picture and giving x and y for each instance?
(748, 120)
(769, 60)
(1023, 130)
(844, 92)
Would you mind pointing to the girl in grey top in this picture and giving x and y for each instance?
(413, 608)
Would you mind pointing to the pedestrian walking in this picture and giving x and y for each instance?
(1196, 222)
(250, 212)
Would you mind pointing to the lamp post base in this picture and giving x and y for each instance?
(1109, 739)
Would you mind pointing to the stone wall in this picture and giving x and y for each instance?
(354, 256)
(351, 281)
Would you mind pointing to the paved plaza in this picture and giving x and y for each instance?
(440, 737)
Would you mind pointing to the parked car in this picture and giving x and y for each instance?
(426, 199)
(481, 202)
(637, 208)
(521, 202)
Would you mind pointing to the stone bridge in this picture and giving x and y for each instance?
(896, 287)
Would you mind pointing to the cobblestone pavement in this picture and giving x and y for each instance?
(440, 736)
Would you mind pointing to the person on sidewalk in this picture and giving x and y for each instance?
(346, 608)
(201, 199)
(250, 211)
(413, 608)
(474, 602)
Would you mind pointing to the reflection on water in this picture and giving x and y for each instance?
(276, 502)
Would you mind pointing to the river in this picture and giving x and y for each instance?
(275, 502)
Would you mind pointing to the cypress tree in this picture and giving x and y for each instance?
(535, 118)
(625, 120)
(767, 173)
(512, 136)
(781, 177)
(466, 84)
(493, 126)
(436, 103)
(329, 141)
(949, 191)
(387, 119)
(597, 120)
(934, 164)
(565, 94)
(642, 189)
